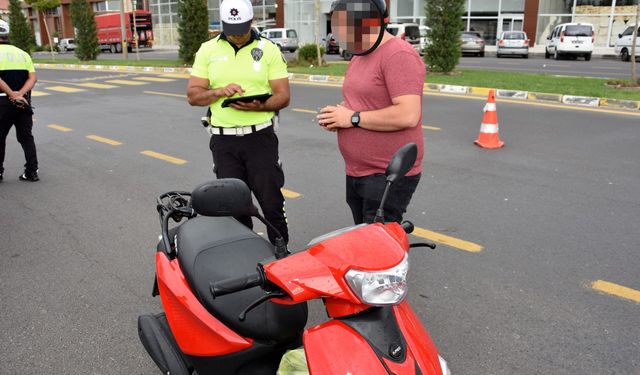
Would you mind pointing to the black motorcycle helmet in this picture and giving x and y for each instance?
(360, 18)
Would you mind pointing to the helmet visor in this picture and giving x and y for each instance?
(358, 25)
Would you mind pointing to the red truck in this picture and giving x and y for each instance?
(110, 34)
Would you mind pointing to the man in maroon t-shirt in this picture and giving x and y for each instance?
(381, 112)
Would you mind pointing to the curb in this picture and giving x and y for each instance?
(428, 87)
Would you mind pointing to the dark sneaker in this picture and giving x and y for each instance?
(33, 177)
(0, 177)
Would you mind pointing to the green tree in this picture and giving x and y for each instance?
(444, 17)
(43, 7)
(193, 28)
(21, 35)
(86, 37)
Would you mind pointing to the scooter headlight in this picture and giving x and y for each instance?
(380, 288)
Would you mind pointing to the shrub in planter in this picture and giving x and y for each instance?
(309, 53)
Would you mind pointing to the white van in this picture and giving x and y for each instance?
(624, 44)
(409, 32)
(285, 39)
(571, 39)
(424, 38)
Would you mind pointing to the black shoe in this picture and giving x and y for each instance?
(0, 177)
(33, 177)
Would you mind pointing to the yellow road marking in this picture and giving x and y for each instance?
(430, 128)
(175, 75)
(63, 89)
(449, 241)
(616, 290)
(97, 85)
(39, 93)
(303, 110)
(165, 94)
(154, 79)
(164, 157)
(59, 128)
(290, 194)
(512, 101)
(126, 82)
(104, 140)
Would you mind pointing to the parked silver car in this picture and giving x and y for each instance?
(513, 43)
(472, 42)
(66, 44)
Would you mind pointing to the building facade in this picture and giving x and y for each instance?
(489, 17)
(58, 20)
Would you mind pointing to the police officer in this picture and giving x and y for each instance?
(17, 78)
(244, 145)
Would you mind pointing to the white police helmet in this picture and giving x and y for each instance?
(4, 29)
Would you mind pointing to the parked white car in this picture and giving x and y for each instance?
(424, 38)
(409, 32)
(513, 43)
(572, 40)
(66, 44)
(285, 39)
(624, 44)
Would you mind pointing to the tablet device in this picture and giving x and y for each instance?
(246, 99)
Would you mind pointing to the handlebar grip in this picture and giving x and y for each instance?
(235, 284)
(407, 226)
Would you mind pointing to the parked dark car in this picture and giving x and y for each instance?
(331, 45)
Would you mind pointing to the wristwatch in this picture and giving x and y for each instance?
(355, 119)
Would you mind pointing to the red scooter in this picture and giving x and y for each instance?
(234, 303)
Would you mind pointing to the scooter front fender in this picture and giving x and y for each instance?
(388, 340)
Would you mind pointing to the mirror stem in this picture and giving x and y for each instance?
(379, 218)
(280, 251)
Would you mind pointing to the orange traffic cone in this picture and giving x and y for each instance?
(489, 136)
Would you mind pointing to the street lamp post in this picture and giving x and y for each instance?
(135, 30)
(123, 32)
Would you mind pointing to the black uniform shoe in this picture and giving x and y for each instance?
(0, 177)
(33, 177)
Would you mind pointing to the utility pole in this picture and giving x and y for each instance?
(123, 32)
(318, 32)
(135, 30)
(634, 41)
(264, 15)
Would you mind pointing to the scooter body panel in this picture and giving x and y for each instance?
(387, 340)
(335, 348)
(196, 331)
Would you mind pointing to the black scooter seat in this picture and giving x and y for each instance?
(216, 248)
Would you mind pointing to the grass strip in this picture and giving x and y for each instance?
(545, 83)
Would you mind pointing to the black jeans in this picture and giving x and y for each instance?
(364, 195)
(23, 121)
(254, 159)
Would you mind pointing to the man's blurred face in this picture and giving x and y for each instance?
(357, 30)
(239, 40)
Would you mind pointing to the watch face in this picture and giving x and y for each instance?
(355, 119)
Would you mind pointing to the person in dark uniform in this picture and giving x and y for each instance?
(244, 145)
(17, 78)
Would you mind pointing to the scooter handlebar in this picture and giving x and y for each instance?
(235, 284)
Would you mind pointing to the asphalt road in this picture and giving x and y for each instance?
(597, 67)
(554, 211)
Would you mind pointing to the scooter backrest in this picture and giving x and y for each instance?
(402, 161)
(223, 197)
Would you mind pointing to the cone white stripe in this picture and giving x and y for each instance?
(489, 128)
(490, 107)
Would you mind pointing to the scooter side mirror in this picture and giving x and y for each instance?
(402, 162)
(223, 197)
